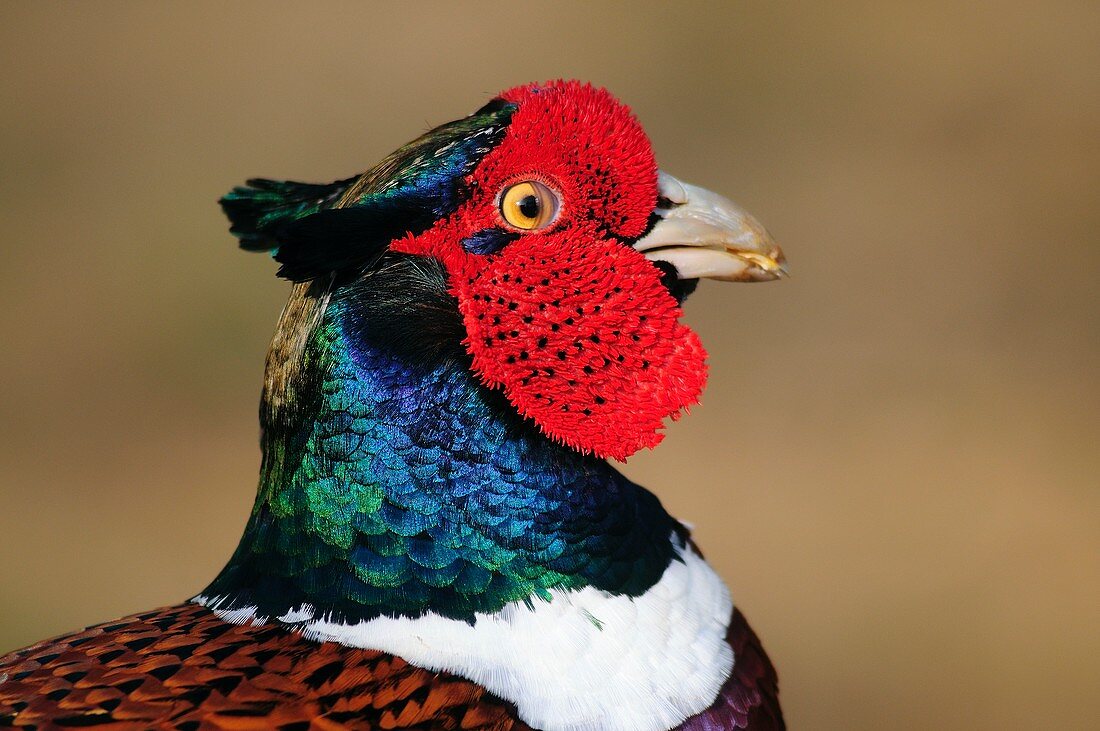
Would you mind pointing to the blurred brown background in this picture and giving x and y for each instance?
(895, 466)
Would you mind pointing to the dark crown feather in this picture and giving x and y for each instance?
(257, 210)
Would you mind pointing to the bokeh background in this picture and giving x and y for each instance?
(895, 466)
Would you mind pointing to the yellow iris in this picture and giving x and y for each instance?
(529, 205)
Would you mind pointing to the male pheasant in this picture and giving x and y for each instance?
(438, 542)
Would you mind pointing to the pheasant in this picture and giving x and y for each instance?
(476, 326)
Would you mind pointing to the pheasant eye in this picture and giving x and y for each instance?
(529, 205)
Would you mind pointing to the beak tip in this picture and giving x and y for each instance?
(782, 268)
(765, 261)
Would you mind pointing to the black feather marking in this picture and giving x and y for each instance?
(404, 307)
(345, 240)
(677, 287)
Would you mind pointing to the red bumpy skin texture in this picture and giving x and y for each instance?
(573, 324)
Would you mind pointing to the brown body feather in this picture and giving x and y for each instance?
(182, 667)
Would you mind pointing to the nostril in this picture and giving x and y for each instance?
(670, 191)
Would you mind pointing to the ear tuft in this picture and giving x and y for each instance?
(259, 209)
(418, 184)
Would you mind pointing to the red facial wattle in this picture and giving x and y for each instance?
(569, 321)
(594, 355)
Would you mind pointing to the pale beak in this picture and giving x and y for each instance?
(705, 236)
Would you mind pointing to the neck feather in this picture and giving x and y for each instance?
(394, 484)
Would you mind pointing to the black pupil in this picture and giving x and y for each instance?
(529, 206)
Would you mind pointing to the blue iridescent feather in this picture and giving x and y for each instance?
(408, 487)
